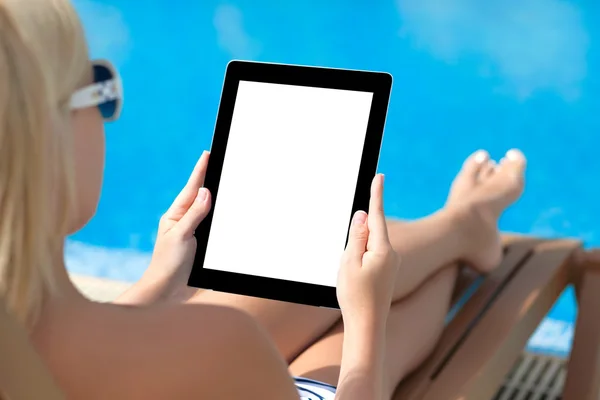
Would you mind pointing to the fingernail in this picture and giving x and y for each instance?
(480, 156)
(202, 194)
(360, 217)
(382, 178)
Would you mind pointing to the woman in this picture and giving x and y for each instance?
(147, 344)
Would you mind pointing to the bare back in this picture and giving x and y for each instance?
(100, 351)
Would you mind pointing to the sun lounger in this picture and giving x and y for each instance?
(480, 344)
(583, 379)
(486, 336)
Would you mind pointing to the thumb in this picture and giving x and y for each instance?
(377, 224)
(195, 214)
(357, 237)
(186, 197)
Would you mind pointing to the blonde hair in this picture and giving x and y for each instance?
(43, 60)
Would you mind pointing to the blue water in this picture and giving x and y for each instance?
(467, 75)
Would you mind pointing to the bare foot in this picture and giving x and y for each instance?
(479, 195)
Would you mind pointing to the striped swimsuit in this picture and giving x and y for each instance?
(314, 390)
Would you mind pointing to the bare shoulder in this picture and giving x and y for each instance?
(181, 351)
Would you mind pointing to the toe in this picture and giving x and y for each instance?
(487, 170)
(474, 164)
(514, 163)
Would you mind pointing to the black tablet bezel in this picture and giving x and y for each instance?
(378, 83)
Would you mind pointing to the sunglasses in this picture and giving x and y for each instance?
(106, 92)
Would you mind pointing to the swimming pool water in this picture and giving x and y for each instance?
(467, 75)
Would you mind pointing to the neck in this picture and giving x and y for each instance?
(67, 296)
(65, 286)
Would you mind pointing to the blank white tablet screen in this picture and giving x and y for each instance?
(288, 181)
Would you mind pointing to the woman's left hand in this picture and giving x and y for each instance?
(175, 248)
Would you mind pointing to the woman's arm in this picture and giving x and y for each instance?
(175, 248)
(143, 292)
(364, 290)
(363, 357)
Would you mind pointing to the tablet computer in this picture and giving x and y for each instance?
(294, 151)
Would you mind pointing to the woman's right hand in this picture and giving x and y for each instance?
(369, 265)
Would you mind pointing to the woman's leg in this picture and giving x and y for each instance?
(416, 321)
(464, 229)
(293, 327)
